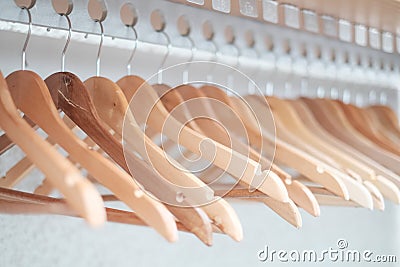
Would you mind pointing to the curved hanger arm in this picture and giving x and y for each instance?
(79, 193)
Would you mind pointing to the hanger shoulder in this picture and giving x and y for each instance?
(364, 126)
(90, 122)
(287, 154)
(239, 166)
(347, 134)
(99, 167)
(80, 194)
(201, 192)
(213, 107)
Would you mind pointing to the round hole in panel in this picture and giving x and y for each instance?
(303, 50)
(183, 25)
(25, 3)
(97, 10)
(318, 52)
(62, 7)
(333, 56)
(208, 30)
(269, 43)
(157, 20)
(346, 57)
(358, 60)
(128, 14)
(249, 37)
(286, 48)
(229, 35)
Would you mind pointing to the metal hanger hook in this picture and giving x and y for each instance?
(193, 50)
(238, 55)
(129, 65)
(24, 62)
(100, 47)
(252, 83)
(159, 73)
(216, 55)
(67, 43)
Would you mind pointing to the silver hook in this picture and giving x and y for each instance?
(129, 65)
(159, 73)
(252, 83)
(238, 55)
(100, 46)
(193, 50)
(67, 43)
(24, 62)
(216, 55)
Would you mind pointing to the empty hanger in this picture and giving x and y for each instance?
(147, 108)
(201, 106)
(364, 125)
(331, 117)
(312, 168)
(173, 97)
(79, 193)
(112, 106)
(84, 114)
(388, 189)
(357, 192)
(382, 123)
(38, 105)
(17, 202)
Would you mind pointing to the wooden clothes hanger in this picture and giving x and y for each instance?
(70, 94)
(237, 165)
(38, 105)
(331, 117)
(111, 103)
(293, 121)
(386, 119)
(17, 202)
(83, 113)
(218, 211)
(357, 192)
(185, 94)
(213, 130)
(387, 114)
(364, 125)
(284, 153)
(79, 193)
(388, 189)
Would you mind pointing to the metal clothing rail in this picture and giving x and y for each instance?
(280, 58)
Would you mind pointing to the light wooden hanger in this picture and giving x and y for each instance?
(79, 193)
(388, 189)
(38, 105)
(76, 103)
(363, 124)
(112, 107)
(286, 154)
(208, 127)
(331, 117)
(297, 192)
(17, 202)
(384, 124)
(357, 192)
(234, 164)
(73, 97)
(93, 126)
(147, 108)
(387, 114)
